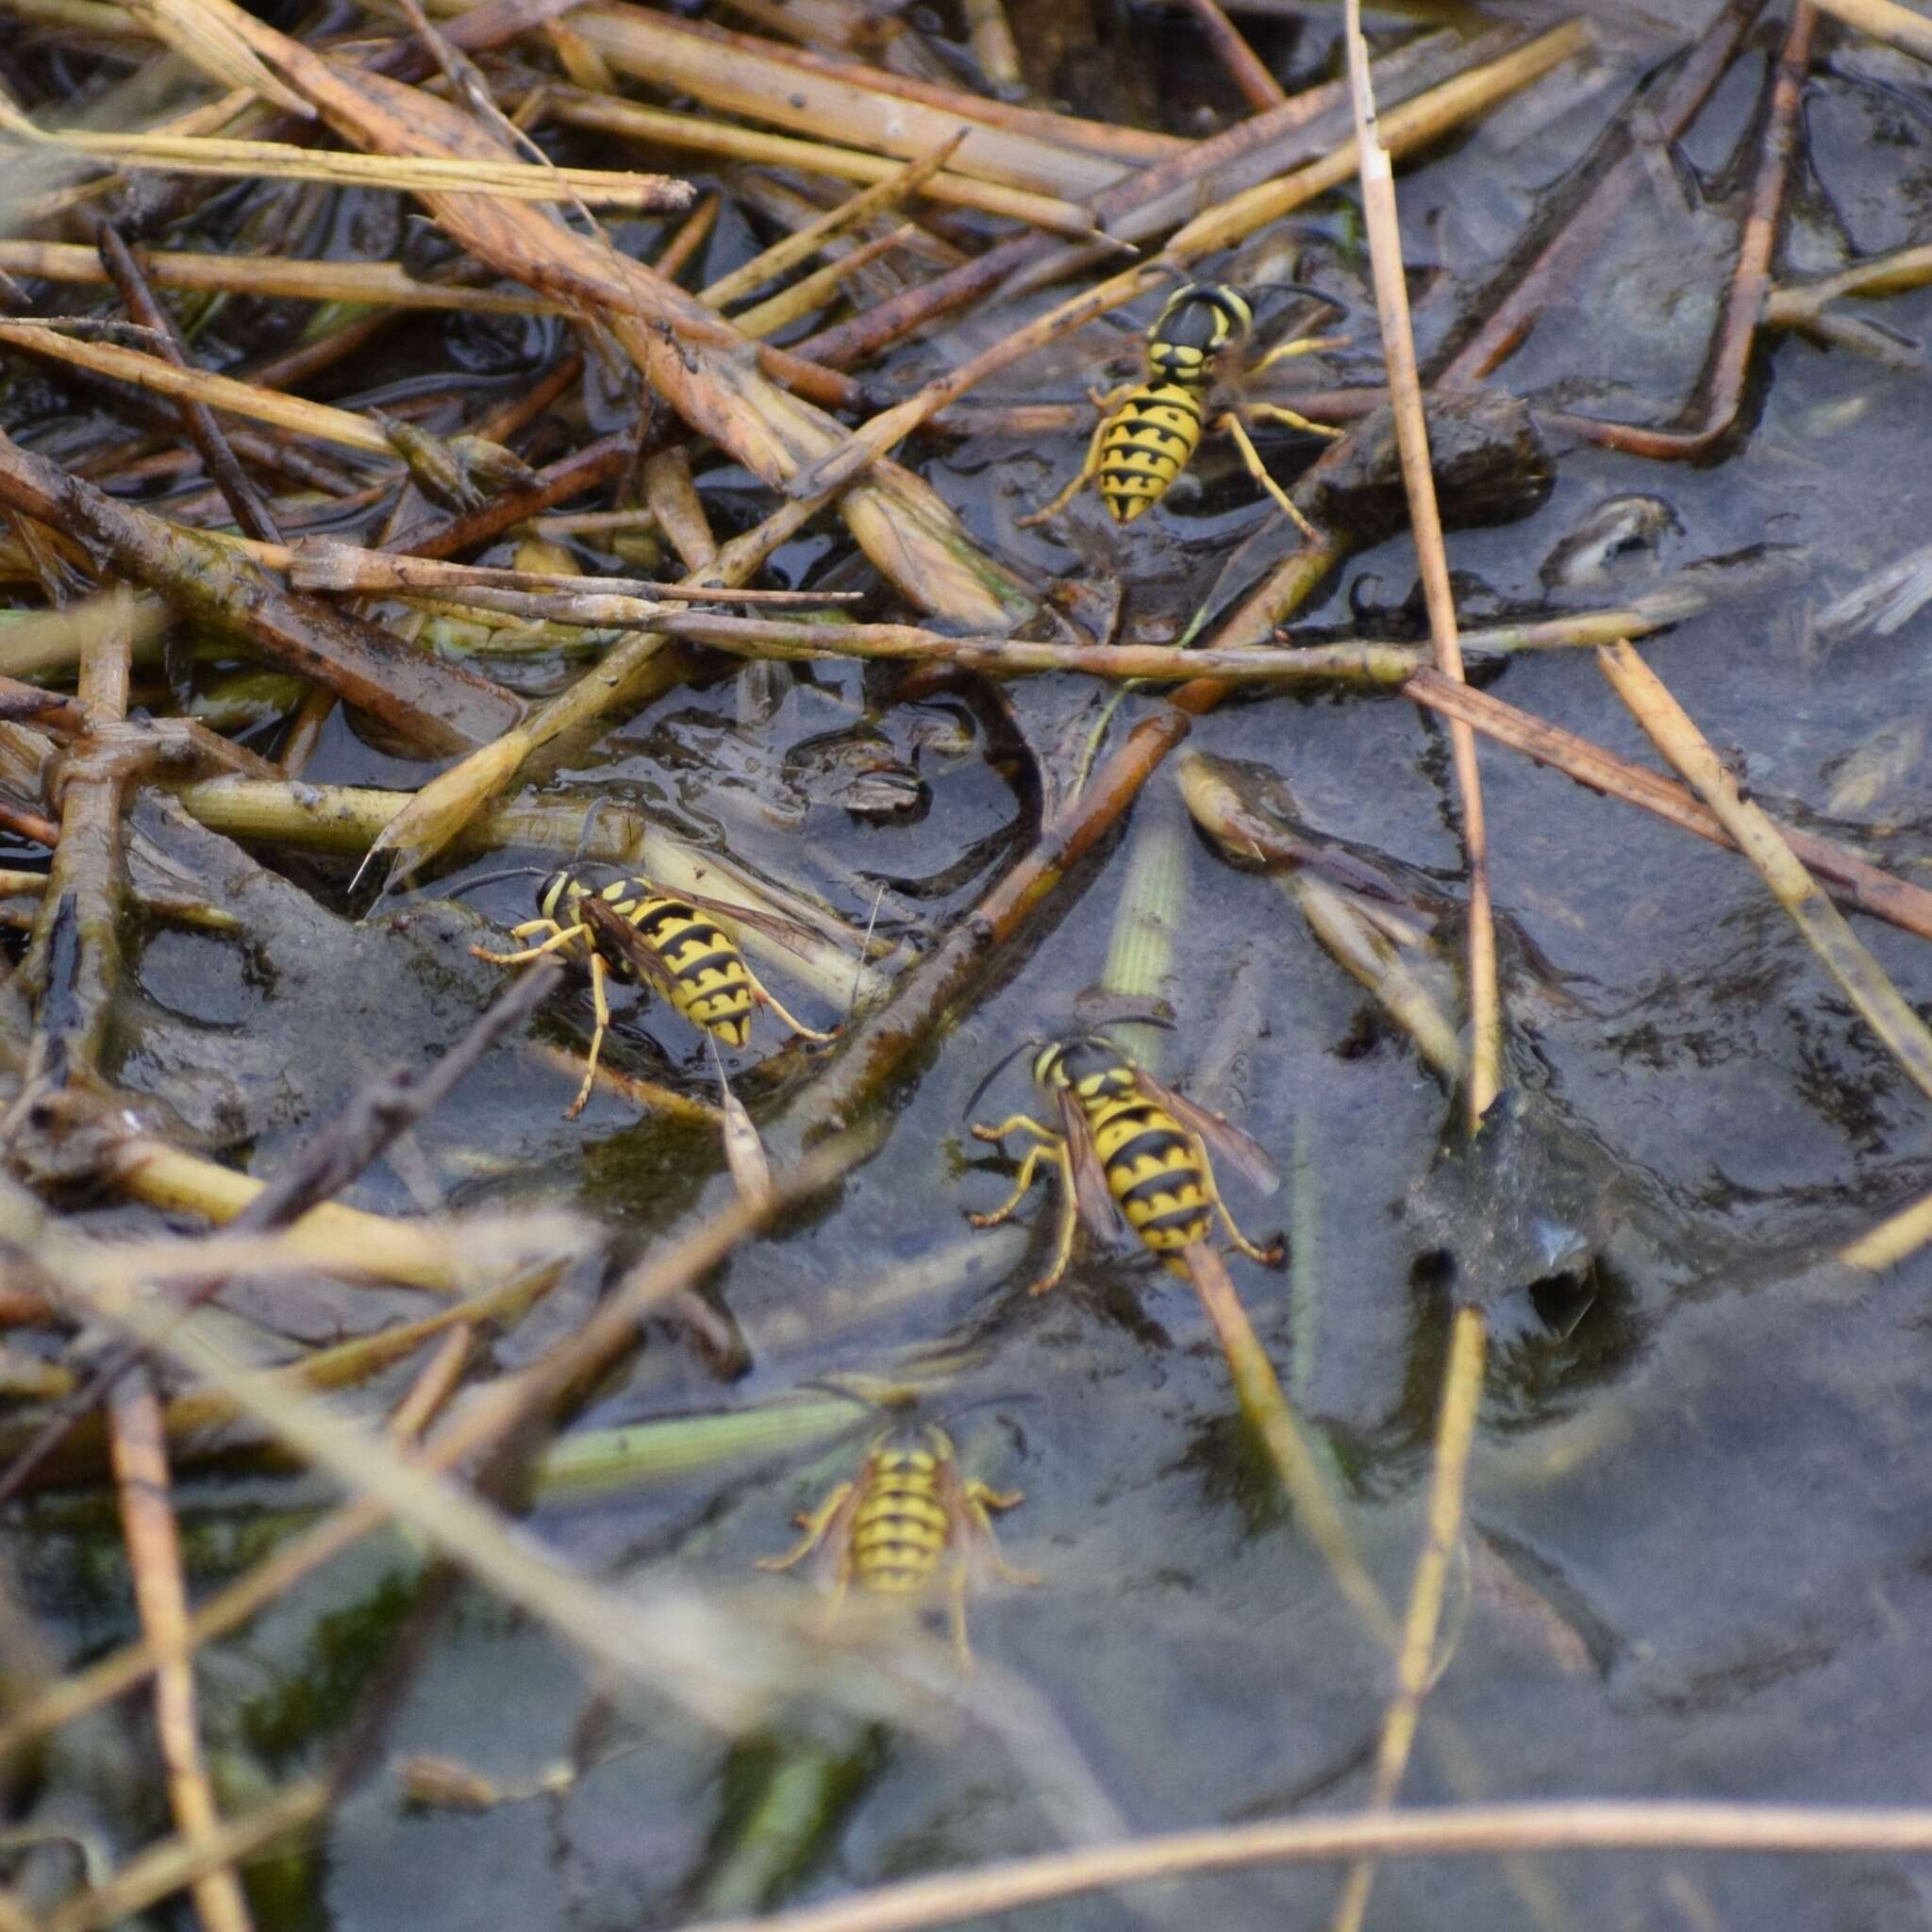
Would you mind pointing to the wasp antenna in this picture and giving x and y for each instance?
(590, 824)
(510, 872)
(999, 1067)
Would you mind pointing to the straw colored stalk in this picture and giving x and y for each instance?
(1885, 20)
(1861, 978)
(1412, 438)
(991, 41)
(811, 292)
(154, 1557)
(351, 818)
(383, 284)
(1463, 1375)
(417, 175)
(792, 251)
(662, 127)
(155, 374)
(1462, 1383)
(1413, 125)
(1245, 68)
(857, 108)
(1798, 305)
(1674, 1824)
(1858, 882)
(1896, 1237)
(702, 367)
(368, 1247)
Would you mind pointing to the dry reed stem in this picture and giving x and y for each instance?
(662, 127)
(411, 175)
(1883, 894)
(1412, 437)
(1885, 20)
(377, 282)
(855, 105)
(1258, 1391)
(1462, 1385)
(991, 41)
(1861, 978)
(155, 372)
(1464, 1831)
(216, 50)
(176, 1181)
(799, 246)
(140, 1456)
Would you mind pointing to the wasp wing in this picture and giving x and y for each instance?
(622, 940)
(1092, 1198)
(788, 932)
(1222, 1137)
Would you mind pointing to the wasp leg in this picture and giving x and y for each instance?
(1028, 1168)
(814, 1523)
(1089, 468)
(956, 1616)
(1250, 457)
(760, 992)
(1265, 1256)
(600, 1006)
(1013, 1123)
(980, 1499)
(1070, 1220)
(1299, 345)
(560, 936)
(1276, 413)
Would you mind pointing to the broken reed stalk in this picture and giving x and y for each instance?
(154, 1559)
(1896, 1237)
(1463, 1376)
(1861, 978)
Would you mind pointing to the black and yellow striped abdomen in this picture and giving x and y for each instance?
(1152, 1169)
(706, 978)
(900, 1524)
(1149, 439)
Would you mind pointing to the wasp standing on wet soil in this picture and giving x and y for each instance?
(1126, 1143)
(1148, 430)
(906, 1517)
(673, 941)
